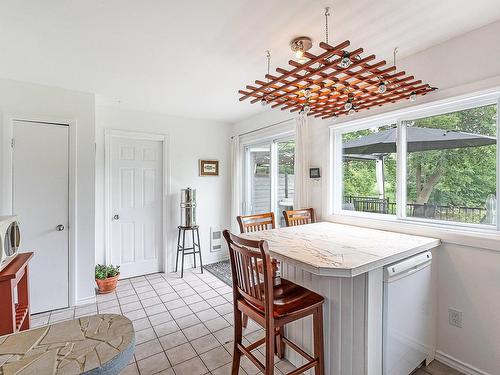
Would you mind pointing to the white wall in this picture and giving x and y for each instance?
(189, 141)
(469, 281)
(26, 99)
(468, 276)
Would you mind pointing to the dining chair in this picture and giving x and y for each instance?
(272, 303)
(299, 217)
(256, 223)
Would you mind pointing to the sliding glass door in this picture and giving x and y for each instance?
(269, 177)
(258, 179)
(285, 180)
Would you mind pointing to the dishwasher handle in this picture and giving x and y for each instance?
(407, 267)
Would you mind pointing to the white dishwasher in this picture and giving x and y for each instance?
(407, 314)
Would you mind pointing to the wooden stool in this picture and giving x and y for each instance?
(15, 317)
(272, 303)
(257, 223)
(182, 248)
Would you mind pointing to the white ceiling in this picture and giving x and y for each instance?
(189, 58)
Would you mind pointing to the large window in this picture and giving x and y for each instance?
(427, 165)
(451, 166)
(269, 177)
(369, 166)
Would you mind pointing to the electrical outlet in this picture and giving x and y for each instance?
(455, 317)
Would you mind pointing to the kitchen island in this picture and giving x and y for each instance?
(344, 264)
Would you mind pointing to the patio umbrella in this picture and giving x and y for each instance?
(419, 139)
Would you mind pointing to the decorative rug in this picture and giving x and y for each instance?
(221, 270)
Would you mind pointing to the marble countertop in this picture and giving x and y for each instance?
(332, 249)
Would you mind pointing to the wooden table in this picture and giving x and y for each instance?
(15, 317)
(344, 264)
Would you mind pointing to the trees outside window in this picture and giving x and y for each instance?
(450, 167)
(455, 183)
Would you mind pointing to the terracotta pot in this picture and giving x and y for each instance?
(107, 285)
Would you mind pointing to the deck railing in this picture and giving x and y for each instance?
(475, 215)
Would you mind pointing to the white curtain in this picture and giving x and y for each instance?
(300, 199)
(235, 182)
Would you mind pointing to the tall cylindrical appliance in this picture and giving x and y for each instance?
(188, 207)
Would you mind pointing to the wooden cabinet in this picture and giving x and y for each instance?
(15, 316)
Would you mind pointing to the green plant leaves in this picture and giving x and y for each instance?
(103, 272)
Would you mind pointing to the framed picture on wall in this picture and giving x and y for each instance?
(209, 167)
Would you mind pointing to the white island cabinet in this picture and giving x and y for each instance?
(345, 265)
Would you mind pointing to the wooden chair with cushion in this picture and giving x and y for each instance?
(272, 303)
(299, 217)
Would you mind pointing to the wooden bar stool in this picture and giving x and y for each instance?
(272, 303)
(299, 217)
(257, 223)
(181, 248)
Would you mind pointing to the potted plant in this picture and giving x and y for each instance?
(106, 277)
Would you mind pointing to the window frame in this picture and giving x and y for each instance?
(400, 117)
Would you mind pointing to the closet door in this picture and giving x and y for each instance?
(40, 198)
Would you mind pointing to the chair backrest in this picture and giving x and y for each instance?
(248, 283)
(299, 217)
(256, 223)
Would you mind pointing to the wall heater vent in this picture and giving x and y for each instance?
(215, 239)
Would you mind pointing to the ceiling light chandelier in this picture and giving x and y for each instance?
(336, 81)
(306, 108)
(348, 104)
(382, 87)
(300, 46)
(346, 61)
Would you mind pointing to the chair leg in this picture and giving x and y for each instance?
(178, 244)
(318, 341)
(183, 247)
(238, 335)
(270, 342)
(199, 249)
(280, 345)
(245, 321)
(194, 248)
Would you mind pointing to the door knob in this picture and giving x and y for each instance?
(116, 217)
(60, 228)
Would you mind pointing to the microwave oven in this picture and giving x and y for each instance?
(10, 239)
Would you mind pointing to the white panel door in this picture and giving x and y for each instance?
(40, 198)
(136, 189)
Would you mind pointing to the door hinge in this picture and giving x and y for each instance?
(12, 142)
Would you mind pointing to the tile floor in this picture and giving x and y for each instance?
(183, 326)
(437, 368)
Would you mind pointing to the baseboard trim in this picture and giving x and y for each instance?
(86, 301)
(458, 365)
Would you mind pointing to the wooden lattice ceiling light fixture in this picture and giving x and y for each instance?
(336, 82)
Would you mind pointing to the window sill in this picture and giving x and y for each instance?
(479, 238)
